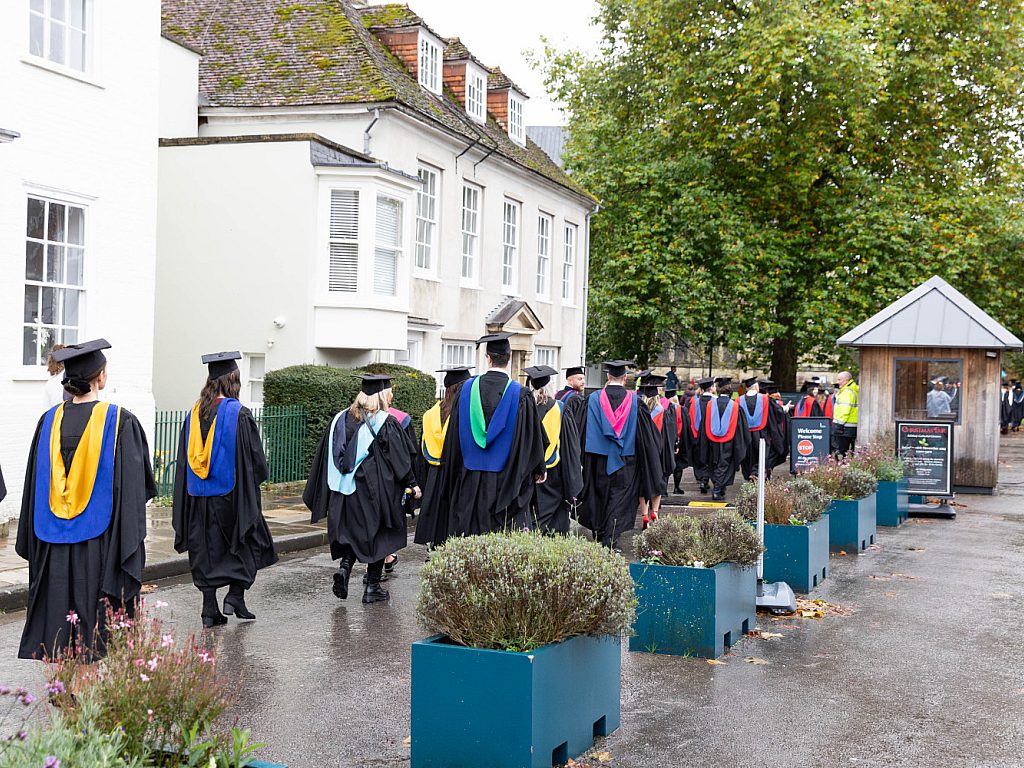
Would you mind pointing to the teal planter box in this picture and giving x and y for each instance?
(473, 707)
(851, 526)
(797, 554)
(263, 764)
(893, 503)
(686, 611)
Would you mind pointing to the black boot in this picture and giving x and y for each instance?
(374, 592)
(704, 486)
(718, 495)
(234, 603)
(211, 613)
(340, 588)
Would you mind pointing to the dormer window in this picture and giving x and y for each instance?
(516, 128)
(476, 94)
(430, 63)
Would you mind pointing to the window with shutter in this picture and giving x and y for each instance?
(388, 246)
(344, 241)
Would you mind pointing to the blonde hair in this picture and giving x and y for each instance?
(653, 402)
(366, 405)
(543, 394)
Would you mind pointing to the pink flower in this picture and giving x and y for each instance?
(167, 641)
(153, 663)
(149, 713)
(206, 657)
(655, 553)
(144, 678)
(72, 618)
(159, 604)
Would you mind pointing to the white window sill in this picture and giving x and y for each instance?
(470, 285)
(428, 276)
(60, 69)
(30, 373)
(568, 306)
(543, 300)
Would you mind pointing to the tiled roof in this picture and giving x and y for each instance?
(276, 53)
(392, 16)
(456, 50)
(498, 79)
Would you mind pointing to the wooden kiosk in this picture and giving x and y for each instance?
(935, 340)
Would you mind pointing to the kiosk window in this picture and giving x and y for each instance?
(927, 389)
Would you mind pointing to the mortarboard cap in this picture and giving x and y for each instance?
(455, 374)
(374, 383)
(221, 363)
(497, 343)
(649, 379)
(577, 370)
(540, 375)
(750, 382)
(82, 361)
(649, 390)
(617, 368)
(670, 393)
(705, 382)
(721, 381)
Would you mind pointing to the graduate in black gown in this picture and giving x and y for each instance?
(218, 510)
(363, 467)
(553, 498)
(432, 527)
(766, 419)
(663, 418)
(724, 438)
(572, 396)
(808, 404)
(494, 449)
(83, 513)
(682, 403)
(622, 460)
(695, 412)
(408, 502)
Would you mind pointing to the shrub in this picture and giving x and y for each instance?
(796, 501)
(322, 390)
(415, 391)
(841, 481)
(160, 694)
(723, 537)
(520, 591)
(883, 465)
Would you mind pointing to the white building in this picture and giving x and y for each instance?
(353, 188)
(78, 84)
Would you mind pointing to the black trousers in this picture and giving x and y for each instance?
(844, 439)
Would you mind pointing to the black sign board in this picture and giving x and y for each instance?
(926, 448)
(810, 442)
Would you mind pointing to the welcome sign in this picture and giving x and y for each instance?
(810, 442)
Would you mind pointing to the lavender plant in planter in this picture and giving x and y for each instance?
(852, 524)
(892, 502)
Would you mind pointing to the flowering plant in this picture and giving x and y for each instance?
(840, 480)
(884, 465)
(722, 537)
(797, 501)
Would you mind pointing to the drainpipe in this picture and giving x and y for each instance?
(463, 152)
(586, 284)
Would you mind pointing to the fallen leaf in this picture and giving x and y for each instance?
(604, 757)
(841, 553)
(716, 662)
(811, 614)
(917, 549)
(148, 589)
(905, 576)
(1001, 595)
(874, 546)
(889, 594)
(407, 741)
(879, 578)
(755, 660)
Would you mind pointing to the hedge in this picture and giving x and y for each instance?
(323, 391)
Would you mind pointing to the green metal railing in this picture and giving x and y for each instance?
(282, 431)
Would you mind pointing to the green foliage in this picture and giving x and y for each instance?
(801, 163)
(795, 501)
(841, 481)
(721, 537)
(415, 391)
(520, 591)
(884, 465)
(322, 390)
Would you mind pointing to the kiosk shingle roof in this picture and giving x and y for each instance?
(279, 53)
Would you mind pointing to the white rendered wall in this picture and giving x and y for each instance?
(441, 299)
(91, 140)
(178, 90)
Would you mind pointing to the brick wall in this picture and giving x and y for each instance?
(404, 43)
(497, 105)
(455, 79)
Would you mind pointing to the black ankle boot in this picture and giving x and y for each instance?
(704, 487)
(211, 613)
(375, 593)
(234, 603)
(340, 588)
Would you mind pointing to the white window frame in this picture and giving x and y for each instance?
(428, 220)
(471, 228)
(455, 353)
(510, 239)
(351, 240)
(429, 57)
(516, 119)
(395, 249)
(546, 356)
(545, 224)
(476, 93)
(40, 15)
(571, 235)
(250, 379)
(58, 331)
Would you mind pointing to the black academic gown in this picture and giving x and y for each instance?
(482, 502)
(574, 406)
(666, 450)
(815, 406)
(226, 537)
(701, 471)
(3, 488)
(371, 520)
(724, 459)
(432, 524)
(609, 503)
(84, 577)
(1005, 409)
(775, 434)
(1017, 409)
(553, 498)
(682, 431)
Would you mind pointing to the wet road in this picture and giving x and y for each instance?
(928, 670)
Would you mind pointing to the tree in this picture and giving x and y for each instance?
(775, 171)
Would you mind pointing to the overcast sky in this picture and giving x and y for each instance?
(498, 31)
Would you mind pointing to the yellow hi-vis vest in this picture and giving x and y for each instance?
(845, 410)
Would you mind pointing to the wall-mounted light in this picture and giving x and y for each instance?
(279, 322)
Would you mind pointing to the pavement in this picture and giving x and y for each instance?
(922, 667)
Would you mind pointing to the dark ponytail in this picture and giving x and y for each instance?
(228, 385)
(79, 385)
